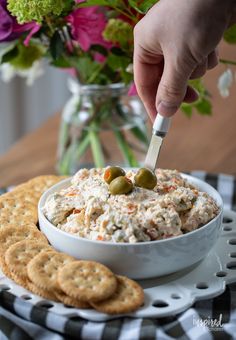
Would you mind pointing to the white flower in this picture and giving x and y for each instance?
(8, 72)
(224, 82)
(130, 68)
(33, 73)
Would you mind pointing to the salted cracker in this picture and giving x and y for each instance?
(12, 234)
(21, 253)
(17, 212)
(41, 292)
(128, 297)
(69, 301)
(43, 269)
(4, 268)
(41, 183)
(87, 281)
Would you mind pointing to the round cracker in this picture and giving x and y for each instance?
(19, 280)
(27, 284)
(17, 212)
(128, 297)
(25, 194)
(12, 234)
(69, 301)
(21, 253)
(41, 292)
(5, 269)
(43, 268)
(87, 281)
(41, 183)
(32, 190)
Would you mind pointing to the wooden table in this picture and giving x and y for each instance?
(199, 143)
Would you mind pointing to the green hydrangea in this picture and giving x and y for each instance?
(35, 10)
(26, 56)
(118, 31)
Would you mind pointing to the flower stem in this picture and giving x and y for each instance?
(125, 149)
(229, 62)
(49, 23)
(124, 13)
(82, 146)
(91, 80)
(64, 164)
(96, 147)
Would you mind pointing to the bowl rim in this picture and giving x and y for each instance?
(126, 244)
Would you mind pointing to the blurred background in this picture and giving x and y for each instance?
(197, 143)
(24, 108)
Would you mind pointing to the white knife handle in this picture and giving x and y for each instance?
(161, 125)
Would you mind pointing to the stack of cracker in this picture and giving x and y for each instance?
(28, 259)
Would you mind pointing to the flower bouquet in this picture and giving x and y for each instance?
(93, 41)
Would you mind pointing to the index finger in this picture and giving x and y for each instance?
(147, 75)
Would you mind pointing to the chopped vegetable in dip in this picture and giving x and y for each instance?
(88, 209)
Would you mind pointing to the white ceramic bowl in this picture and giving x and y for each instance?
(139, 260)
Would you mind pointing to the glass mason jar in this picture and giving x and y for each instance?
(101, 125)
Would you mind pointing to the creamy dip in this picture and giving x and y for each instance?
(87, 209)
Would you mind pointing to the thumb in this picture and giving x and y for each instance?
(172, 87)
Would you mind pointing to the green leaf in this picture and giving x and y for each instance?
(114, 3)
(112, 13)
(68, 7)
(6, 48)
(119, 31)
(197, 84)
(143, 6)
(26, 56)
(56, 46)
(110, 3)
(61, 62)
(187, 109)
(134, 5)
(147, 4)
(100, 49)
(87, 69)
(118, 62)
(230, 35)
(12, 54)
(127, 77)
(117, 51)
(89, 3)
(204, 107)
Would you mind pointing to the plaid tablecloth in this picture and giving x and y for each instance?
(208, 319)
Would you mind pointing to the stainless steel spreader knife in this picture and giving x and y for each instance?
(160, 128)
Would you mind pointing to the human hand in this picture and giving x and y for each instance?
(176, 41)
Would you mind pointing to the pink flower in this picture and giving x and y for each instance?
(99, 58)
(33, 29)
(71, 71)
(132, 90)
(9, 28)
(87, 25)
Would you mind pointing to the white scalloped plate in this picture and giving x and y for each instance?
(167, 295)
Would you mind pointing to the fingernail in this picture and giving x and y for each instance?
(166, 109)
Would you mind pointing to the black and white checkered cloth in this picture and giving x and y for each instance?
(22, 321)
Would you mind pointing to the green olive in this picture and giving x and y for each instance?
(145, 178)
(120, 185)
(112, 172)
